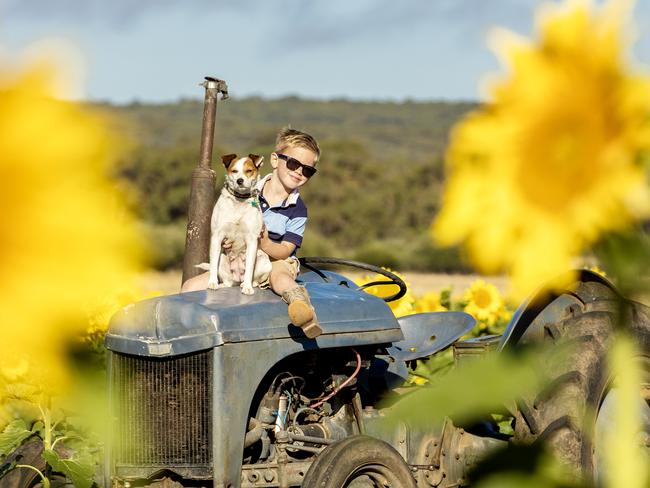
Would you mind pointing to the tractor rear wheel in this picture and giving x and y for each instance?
(359, 462)
(573, 411)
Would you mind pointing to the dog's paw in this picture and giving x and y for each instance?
(213, 285)
(247, 289)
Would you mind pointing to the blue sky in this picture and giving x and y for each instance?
(159, 50)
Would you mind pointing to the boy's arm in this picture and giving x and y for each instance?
(276, 250)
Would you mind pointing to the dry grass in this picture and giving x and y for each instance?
(167, 282)
(420, 283)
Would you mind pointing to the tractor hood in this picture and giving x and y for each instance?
(188, 322)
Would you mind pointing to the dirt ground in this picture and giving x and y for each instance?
(167, 282)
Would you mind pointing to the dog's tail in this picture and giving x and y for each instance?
(203, 266)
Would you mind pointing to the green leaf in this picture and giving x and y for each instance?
(445, 298)
(516, 480)
(38, 428)
(13, 436)
(626, 258)
(504, 423)
(436, 366)
(471, 391)
(79, 469)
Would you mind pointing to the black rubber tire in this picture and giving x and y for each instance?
(29, 453)
(563, 415)
(360, 455)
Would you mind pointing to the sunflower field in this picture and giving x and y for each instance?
(551, 168)
(481, 299)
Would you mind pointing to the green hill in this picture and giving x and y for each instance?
(374, 197)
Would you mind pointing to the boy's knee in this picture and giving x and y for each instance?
(187, 286)
(278, 269)
(199, 282)
(279, 274)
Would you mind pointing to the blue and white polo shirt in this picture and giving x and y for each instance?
(286, 221)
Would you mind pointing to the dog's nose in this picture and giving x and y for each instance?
(240, 181)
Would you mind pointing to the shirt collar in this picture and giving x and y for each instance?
(290, 200)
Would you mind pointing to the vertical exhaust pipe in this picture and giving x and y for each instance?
(202, 192)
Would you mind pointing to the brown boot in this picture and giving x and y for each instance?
(301, 312)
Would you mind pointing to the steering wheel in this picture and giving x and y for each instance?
(393, 279)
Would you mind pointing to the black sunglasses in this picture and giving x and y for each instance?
(293, 164)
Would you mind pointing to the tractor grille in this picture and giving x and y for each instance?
(163, 409)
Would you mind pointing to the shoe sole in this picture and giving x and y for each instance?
(312, 330)
(302, 315)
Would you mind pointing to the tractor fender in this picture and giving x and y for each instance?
(424, 335)
(428, 333)
(549, 304)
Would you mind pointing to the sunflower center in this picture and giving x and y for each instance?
(482, 298)
(564, 168)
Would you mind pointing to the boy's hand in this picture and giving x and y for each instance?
(226, 244)
(264, 239)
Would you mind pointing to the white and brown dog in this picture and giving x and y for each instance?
(238, 219)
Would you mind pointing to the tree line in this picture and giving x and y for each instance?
(374, 197)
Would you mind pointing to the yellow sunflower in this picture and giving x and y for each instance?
(553, 159)
(403, 306)
(430, 302)
(596, 269)
(484, 302)
(66, 239)
(100, 312)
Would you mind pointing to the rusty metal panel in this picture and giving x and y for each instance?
(202, 193)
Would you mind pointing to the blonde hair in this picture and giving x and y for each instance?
(288, 137)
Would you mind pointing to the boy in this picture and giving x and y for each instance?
(285, 215)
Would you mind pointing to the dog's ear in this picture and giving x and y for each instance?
(227, 159)
(257, 160)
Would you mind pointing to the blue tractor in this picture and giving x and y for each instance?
(217, 388)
